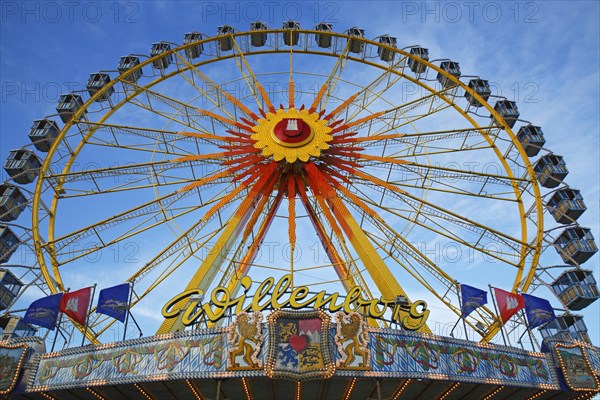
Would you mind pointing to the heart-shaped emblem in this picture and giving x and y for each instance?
(299, 342)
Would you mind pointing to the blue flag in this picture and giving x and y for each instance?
(538, 310)
(472, 298)
(44, 312)
(114, 301)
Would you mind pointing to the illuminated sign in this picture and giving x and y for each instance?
(276, 295)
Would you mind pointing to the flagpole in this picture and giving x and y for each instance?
(463, 317)
(136, 324)
(456, 323)
(499, 317)
(57, 330)
(128, 312)
(59, 323)
(528, 330)
(461, 312)
(87, 318)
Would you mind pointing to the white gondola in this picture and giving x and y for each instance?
(8, 243)
(508, 110)
(356, 46)
(532, 139)
(414, 64)
(384, 53)
(10, 286)
(291, 37)
(566, 327)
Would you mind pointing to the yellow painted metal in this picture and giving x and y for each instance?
(210, 266)
(207, 81)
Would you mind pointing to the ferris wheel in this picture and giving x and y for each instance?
(337, 160)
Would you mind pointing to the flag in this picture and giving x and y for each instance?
(471, 299)
(508, 303)
(114, 301)
(75, 304)
(44, 312)
(538, 310)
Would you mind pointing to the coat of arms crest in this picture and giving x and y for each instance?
(299, 345)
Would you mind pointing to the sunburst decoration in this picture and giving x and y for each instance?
(289, 151)
(312, 137)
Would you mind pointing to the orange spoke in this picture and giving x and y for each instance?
(226, 199)
(325, 209)
(291, 93)
(356, 200)
(241, 106)
(267, 172)
(207, 136)
(341, 106)
(204, 181)
(225, 120)
(260, 206)
(216, 156)
(265, 97)
(320, 95)
(358, 122)
(239, 138)
(254, 246)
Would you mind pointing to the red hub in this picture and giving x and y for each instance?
(292, 132)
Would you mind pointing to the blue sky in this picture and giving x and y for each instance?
(544, 55)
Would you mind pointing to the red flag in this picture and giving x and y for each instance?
(508, 303)
(75, 304)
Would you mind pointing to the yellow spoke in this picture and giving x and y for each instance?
(291, 192)
(335, 75)
(209, 82)
(395, 69)
(250, 78)
(176, 105)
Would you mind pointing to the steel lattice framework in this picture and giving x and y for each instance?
(371, 172)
